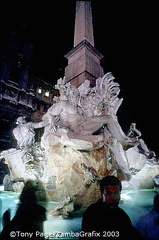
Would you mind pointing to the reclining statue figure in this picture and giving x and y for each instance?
(78, 115)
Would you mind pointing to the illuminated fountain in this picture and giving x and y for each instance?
(82, 141)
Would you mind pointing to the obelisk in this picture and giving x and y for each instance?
(83, 59)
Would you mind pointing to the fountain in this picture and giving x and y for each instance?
(82, 142)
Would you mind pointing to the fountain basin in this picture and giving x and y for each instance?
(135, 203)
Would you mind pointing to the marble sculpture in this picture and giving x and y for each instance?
(82, 142)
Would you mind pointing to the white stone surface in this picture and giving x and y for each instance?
(82, 142)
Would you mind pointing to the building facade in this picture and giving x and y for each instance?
(21, 94)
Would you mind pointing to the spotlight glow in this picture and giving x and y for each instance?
(124, 196)
(1, 187)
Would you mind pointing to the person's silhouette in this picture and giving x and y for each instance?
(148, 224)
(105, 219)
(30, 216)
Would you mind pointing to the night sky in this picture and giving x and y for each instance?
(125, 33)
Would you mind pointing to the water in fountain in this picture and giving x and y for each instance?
(135, 203)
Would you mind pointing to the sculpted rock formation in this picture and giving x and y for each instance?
(82, 142)
(77, 115)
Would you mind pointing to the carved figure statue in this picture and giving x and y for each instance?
(24, 132)
(64, 208)
(82, 115)
(135, 134)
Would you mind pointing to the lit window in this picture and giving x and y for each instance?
(39, 90)
(47, 93)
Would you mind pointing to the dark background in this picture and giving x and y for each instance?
(126, 33)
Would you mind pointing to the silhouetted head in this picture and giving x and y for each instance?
(33, 191)
(109, 180)
(110, 187)
(28, 194)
